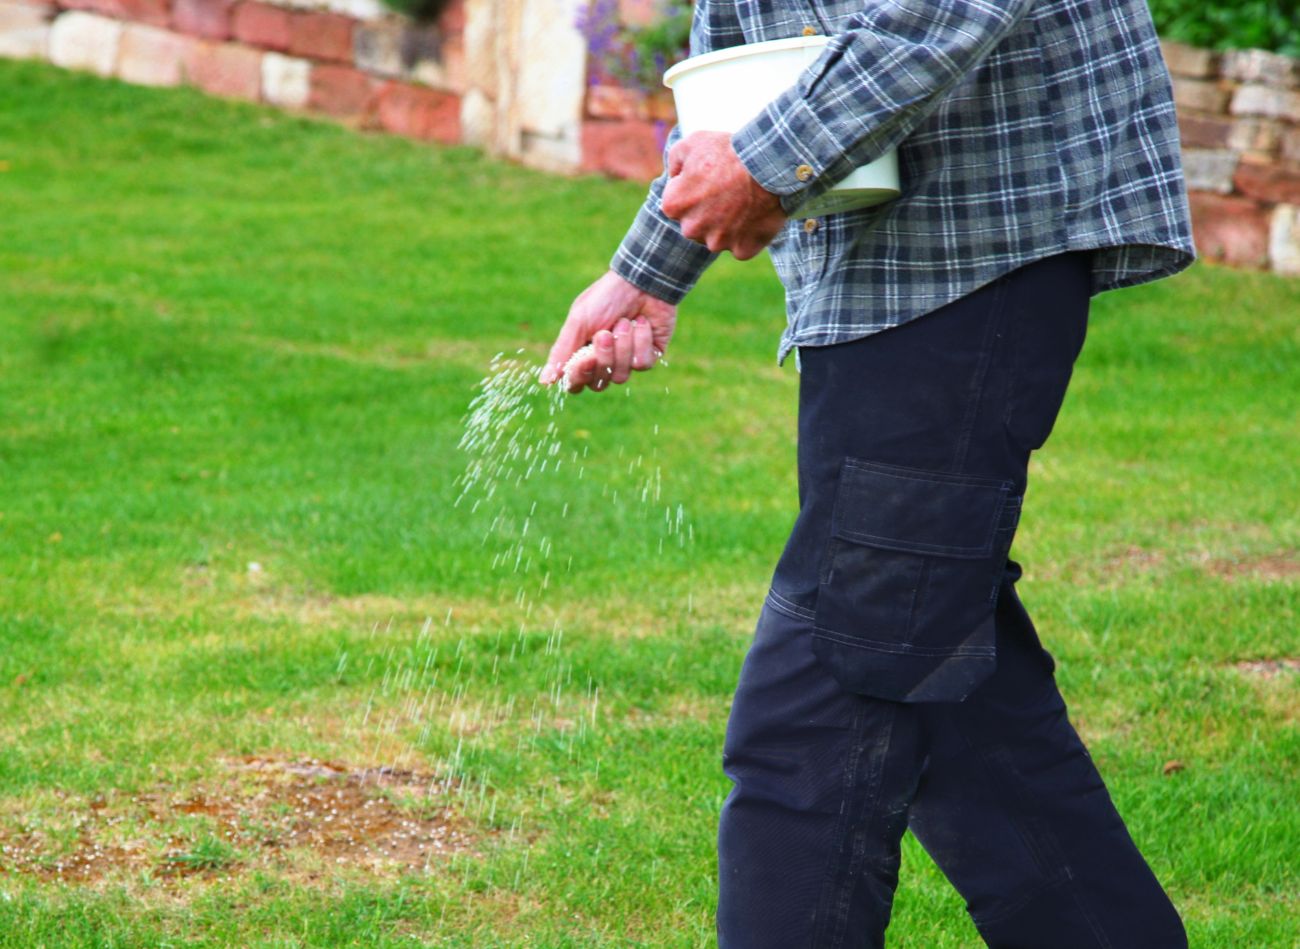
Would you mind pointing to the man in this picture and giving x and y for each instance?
(894, 679)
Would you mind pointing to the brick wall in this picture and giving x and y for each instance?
(464, 78)
(1239, 116)
(381, 72)
(509, 75)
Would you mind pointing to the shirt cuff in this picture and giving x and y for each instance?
(657, 259)
(790, 152)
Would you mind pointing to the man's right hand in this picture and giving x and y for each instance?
(628, 328)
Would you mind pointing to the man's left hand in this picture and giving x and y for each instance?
(716, 200)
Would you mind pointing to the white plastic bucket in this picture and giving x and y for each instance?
(723, 90)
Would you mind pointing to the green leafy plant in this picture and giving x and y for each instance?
(630, 55)
(419, 9)
(1244, 24)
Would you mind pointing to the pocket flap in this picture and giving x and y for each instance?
(922, 512)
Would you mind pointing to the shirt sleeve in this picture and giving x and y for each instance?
(875, 82)
(654, 256)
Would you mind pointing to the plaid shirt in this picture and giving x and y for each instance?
(1024, 128)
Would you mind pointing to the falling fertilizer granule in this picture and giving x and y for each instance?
(448, 698)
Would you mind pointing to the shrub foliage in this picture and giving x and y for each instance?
(1236, 24)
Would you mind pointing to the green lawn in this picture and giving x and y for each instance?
(235, 351)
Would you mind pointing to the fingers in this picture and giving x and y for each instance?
(604, 369)
(621, 370)
(581, 372)
(673, 202)
(677, 158)
(624, 328)
(642, 345)
(566, 344)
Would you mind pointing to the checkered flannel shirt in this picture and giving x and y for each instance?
(1024, 128)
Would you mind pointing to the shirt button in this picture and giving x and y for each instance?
(811, 225)
(810, 31)
(804, 172)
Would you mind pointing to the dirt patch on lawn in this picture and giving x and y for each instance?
(1268, 668)
(1270, 568)
(305, 815)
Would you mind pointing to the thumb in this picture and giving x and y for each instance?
(566, 344)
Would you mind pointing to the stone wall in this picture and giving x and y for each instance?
(507, 75)
(1239, 117)
(510, 76)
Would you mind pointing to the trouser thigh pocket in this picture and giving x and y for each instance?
(910, 578)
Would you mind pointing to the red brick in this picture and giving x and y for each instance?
(1277, 183)
(1201, 94)
(418, 112)
(659, 105)
(209, 19)
(1231, 229)
(224, 69)
(1202, 131)
(341, 90)
(628, 149)
(1184, 60)
(451, 21)
(613, 102)
(260, 24)
(1291, 145)
(325, 36)
(152, 12)
(639, 12)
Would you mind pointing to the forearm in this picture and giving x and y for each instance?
(654, 256)
(877, 80)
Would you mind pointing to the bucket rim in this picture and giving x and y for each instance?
(741, 52)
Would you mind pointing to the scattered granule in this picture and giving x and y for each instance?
(576, 358)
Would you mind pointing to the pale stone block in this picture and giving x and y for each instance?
(1259, 136)
(1267, 101)
(85, 41)
(1210, 169)
(553, 77)
(1257, 65)
(149, 56)
(477, 118)
(1200, 94)
(560, 155)
(361, 9)
(286, 81)
(481, 37)
(1284, 240)
(24, 31)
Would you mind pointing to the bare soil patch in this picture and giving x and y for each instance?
(1267, 567)
(265, 812)
(1268, 668)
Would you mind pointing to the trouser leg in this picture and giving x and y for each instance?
(1014, 812)
(808, 840)
(913, 451)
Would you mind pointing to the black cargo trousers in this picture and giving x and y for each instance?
(895, 680)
